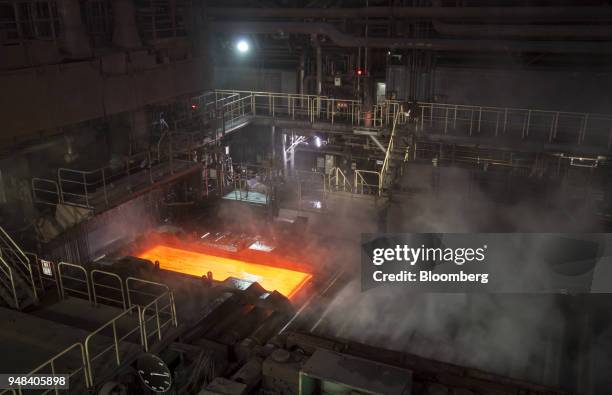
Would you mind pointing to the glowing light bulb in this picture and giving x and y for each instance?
(242, 46)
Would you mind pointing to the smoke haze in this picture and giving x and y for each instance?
(523, 336)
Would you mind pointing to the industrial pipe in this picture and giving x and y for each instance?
(502, 13)
(319, 59)
(302, 74)
(346, 40)
(524, 31)
(520, 31)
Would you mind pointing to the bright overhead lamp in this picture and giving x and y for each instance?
(242, 46)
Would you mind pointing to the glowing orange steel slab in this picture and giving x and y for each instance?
(285, 281)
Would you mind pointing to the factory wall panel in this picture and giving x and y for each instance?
(15, 194)
(256, 79)
(49, 97)
(539, 89)
(106, 232)
(122, 224)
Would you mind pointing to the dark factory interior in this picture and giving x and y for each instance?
(189, 188)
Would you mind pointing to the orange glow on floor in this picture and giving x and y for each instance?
(286, 281)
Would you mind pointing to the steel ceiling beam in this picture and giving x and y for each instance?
(342, 39)
(549, 13)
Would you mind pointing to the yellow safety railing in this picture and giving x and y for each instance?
(361, 183)
(159, 309)
(45, 191)
(337, 180)
(116, 338)
(7, 271)
(97, 286)
(79, 187)
(84, 280)
(388, 155)
(51, 365)
(161, 313)
(12, 253)
(131, 291)
(293, 106)
(228, 110)
(240, 177)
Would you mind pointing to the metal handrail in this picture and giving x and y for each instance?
(156, 316)
(318, 107)
(238, 182)
(493, 108)
(264, 93)
(384, 113)
(339, 178)
(315, 180)
(33, 258)
(503, 120)
(108, 299)
(8, 272)
(23, 263)
(234, 107)
(51, 363)
(310, 176)
(141, 281)
(116, 339)
(62, 276)
(105, 176)
(86, 353)
(159, 142)
(360, 181)
(36, 190)
(387, 161)
(83, 367)
(23, 259)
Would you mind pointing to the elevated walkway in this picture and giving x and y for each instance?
(26, 340)
(100, 324)
(80, 313)
(218, 113)
(100, 189)
(514, 128)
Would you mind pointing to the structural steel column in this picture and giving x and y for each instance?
(285, 154)
(125, 33)
(292, 154)
(74, 37)
(319, 69)
(273, 142)
(302, 73)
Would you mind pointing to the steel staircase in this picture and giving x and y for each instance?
(397, 151)
(17, 286)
